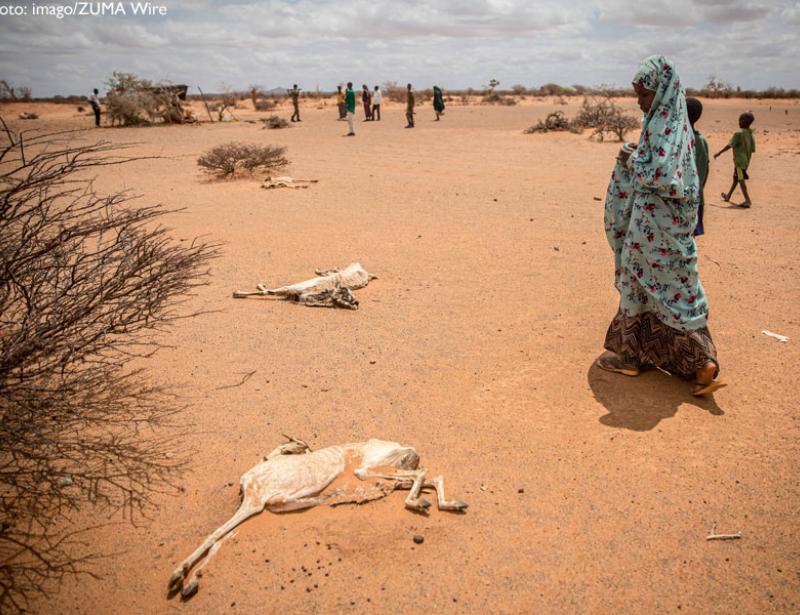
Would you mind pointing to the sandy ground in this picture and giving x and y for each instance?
(588, 492)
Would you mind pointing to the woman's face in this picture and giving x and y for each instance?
(644, 97)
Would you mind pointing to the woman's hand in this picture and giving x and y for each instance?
(625, 152)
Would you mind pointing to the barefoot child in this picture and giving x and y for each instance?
(743, 144)
(694, 109)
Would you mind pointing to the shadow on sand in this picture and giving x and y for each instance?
(641, 403)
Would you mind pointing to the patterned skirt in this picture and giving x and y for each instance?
(644, 341)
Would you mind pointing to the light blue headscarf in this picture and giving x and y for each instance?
(651, 210)
(663, 161)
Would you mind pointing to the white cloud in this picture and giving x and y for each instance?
(456, 43)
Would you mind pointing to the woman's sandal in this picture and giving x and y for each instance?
(705, 383)
(614, 363)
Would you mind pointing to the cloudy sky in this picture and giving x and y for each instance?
(454, 43)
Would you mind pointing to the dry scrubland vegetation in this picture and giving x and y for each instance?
(263, 100)
(86, 280)
(226, 159)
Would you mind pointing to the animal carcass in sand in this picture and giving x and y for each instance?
(286, 182)
(292, 477)
(331, 288)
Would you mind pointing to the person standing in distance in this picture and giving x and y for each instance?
(95, 102)
(376, 104)
(350, 104)
(296, 103)
(410, 107)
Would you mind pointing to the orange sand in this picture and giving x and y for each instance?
(475, 346)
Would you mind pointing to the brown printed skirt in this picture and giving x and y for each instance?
(644, 341)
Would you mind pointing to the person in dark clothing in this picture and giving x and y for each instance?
(438, 101)
(410, 107)
(366, 100)
(296, 103)
(95, 102)
(694, 109)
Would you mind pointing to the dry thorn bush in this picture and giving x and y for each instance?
(555, 121)
(86, 281)
(226, 159)
(601, 116)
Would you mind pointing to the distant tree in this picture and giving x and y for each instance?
(493, 83)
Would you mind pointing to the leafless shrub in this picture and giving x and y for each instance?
(519, 90)
(602, 116)
(86, 280)
(394, 91)
(554, 122)
(275, 121)
(9, 92)
(224, 160)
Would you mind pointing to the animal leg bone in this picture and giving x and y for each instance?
(245, 511)
(442, 503)
(406, 479)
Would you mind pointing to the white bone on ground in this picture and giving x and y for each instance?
(777, 336)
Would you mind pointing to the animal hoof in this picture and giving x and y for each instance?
(190, 590)
(424, 504)
(175, 581)
(461, 505)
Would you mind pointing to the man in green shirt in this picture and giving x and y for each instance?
(350, 105)
(743, 144)
(295, 92)
(410, 107)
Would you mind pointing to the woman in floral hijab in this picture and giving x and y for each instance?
(650, 216)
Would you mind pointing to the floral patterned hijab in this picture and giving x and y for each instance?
(663, 161)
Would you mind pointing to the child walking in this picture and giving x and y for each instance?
(694, 108)
(743, 144)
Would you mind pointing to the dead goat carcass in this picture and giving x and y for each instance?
(331, 288)
(292, 478)
(295, 183)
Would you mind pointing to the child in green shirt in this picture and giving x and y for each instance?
(743, 144)
(694, 108)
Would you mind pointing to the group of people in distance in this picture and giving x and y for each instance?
(371, 101)
(653, 213)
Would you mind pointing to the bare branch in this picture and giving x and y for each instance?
(86, 282)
